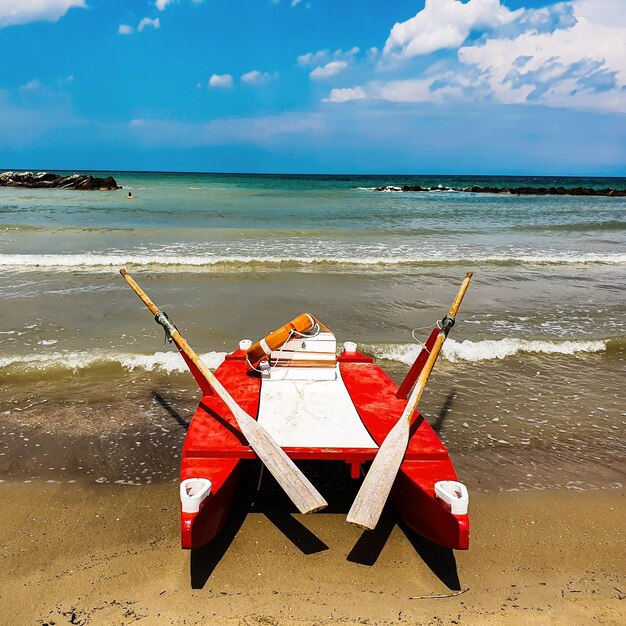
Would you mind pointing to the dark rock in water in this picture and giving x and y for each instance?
(44, 180)
(517, 191)
(389, 188)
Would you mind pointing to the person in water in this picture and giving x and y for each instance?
(130, 196)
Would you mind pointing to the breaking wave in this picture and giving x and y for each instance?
(172, 362)
(488, 349)
(164, 262)
(165, 361)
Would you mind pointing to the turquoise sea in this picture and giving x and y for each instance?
(531, 377)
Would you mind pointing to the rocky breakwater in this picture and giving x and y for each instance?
(517, 191)
(45, 180)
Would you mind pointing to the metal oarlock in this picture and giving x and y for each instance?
(164, 320)
(446, 324)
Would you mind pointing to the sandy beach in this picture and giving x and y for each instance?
(109, 555)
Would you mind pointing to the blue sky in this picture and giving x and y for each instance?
(328, 86)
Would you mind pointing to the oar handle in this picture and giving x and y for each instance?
(434, 353)
(139, 291)
(162, 319)
(459, 296)
(172, 331)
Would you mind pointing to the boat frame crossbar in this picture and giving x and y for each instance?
(354, 457)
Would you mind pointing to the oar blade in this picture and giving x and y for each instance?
(370, 501)
(295, 484)
(287, 474)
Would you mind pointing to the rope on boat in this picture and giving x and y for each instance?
(258, 486)
(292, 332)
(444, 324)
(418, 341)
(314, 333)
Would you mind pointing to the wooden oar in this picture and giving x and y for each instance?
(295, 484)
(370, 500)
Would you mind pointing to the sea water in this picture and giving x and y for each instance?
(531, 377)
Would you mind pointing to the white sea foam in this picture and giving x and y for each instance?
(165, 361)
(486, 350)
(491, 349)
(168, 361)
(453, 351)
(110, 262)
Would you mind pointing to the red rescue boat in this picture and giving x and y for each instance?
(352, 405)
(314, 405)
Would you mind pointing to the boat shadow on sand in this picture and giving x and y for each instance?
(271, 503)
(339, 490)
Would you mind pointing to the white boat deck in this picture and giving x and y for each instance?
(312, 414)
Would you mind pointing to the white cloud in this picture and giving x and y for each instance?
(146, 21)
(293, 3)
(348, 53)
(582, 66)
(416, 90)
(257, 78)
(311, 58)
(161, 5)
(603, 12)
(346, 95)
(372, 54)
(31, 85)
(223, 81)
(14, 12)
(565, 55)
(321, 56)
(125, 29)
(445, 24)
(411, 90)
(330, 69)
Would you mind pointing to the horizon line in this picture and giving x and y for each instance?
(317, 174)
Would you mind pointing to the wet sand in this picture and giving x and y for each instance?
(108, 554)
(106, 424)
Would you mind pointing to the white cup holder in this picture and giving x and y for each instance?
(193, 491)
(453, 495)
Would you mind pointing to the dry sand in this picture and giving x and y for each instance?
(108, 554)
